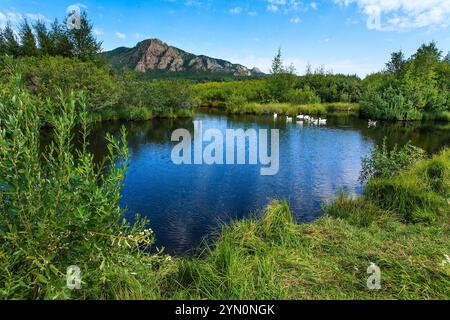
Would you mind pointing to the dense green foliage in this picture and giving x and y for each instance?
(413, 89)
(45, 77)
(62, 209)
(292, 110)
(164, 98)
(409, 89)
(282, 88)
(111, 97)
(58, 40)
(59, 60)
(383, 163)
(274, 258)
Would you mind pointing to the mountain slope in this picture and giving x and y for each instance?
(155, 55)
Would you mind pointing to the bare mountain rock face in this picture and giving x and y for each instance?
(153, 54)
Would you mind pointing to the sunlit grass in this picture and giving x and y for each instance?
(138, 114)
(275, 258)
(318, 109)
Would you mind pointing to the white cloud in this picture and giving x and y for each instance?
(15, 18)
(236, 10)
(121, 35)
(313, 5)
(36, 16)
(272, 7)
(283, 5)
(405, 14)
(98, 31)
(295, 20)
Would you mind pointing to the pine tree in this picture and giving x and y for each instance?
(11, 44)
(397, 63)
(83, 40)
(43, 38)
(2, 43)
(61, 45)
(447, 57)
(277, 64)
(27, 40)
(429, 52)
(308, 71)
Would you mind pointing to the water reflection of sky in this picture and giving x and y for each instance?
(185, 203)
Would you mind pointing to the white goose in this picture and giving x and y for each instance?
(275, 115)
(372, 123)
(322, 122)
(289, 119)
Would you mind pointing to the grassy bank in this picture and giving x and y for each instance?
(401, 227)
(316, 109)
(138, 114)
(61, 210)
(400, 224)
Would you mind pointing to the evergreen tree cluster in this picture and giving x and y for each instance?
(38, 39)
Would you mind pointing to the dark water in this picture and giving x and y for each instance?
(185, 203)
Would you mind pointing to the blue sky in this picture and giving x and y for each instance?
(333, 33)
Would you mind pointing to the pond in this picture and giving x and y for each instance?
(185, 203)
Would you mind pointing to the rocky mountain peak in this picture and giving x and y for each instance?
(154, 54)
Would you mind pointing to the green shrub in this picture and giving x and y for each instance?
(412, 89)
(332, 87)
(418, 194)
(405, 196)
(58, 209)
(45, 77)
(437, 174)
(235, 102)
(383, 163)
(168, 98)
(302, 96)
(359, 212)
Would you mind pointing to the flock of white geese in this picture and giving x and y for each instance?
(302, 119)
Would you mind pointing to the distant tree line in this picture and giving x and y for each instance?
(38, 39)
(55, 57)
(410, 89)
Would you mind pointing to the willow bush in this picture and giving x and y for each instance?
(58, 209)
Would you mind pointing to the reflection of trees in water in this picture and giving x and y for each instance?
(429, 136)
(157, 131)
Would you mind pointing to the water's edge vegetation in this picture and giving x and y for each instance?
(59, 208)
(62, 209)
(58, 59)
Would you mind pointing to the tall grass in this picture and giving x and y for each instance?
(130, 113)
(318, 109)
(275, 258)
(418, 195)
(58, 209)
